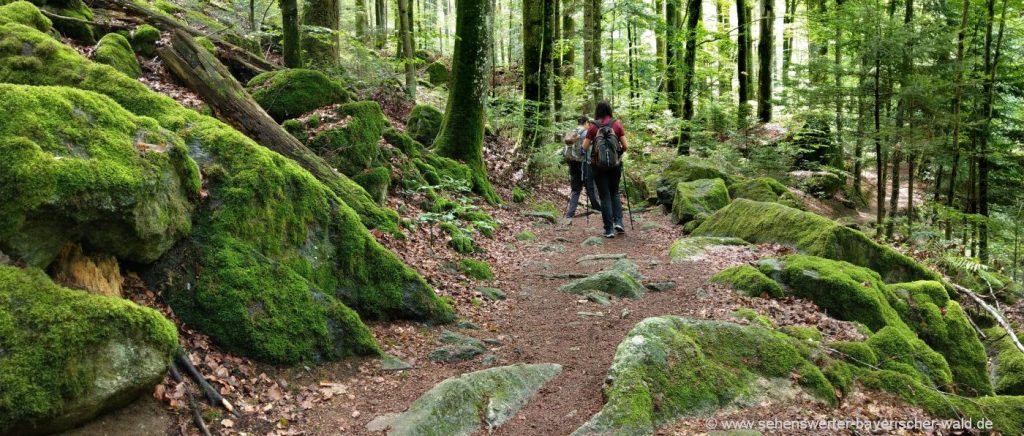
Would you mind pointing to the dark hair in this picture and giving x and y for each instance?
(602, 110)
(582, 119)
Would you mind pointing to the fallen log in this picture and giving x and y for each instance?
(995, 314)
(231, 103)
(244, 63)
(197, 416)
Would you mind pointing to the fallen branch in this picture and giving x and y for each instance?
(995, 314)
(197, 416)
(214, 397)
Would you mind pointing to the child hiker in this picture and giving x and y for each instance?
(579, 168)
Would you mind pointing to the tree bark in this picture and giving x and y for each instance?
(724, 47)
(742, 56)
(957, 95)
(693, 19)
(766, 57)
(787, 40)
(462, 130)
(381, 13)
(407, 49)
(231, 103)
(592, 56)
(894, 197)
(672, 58)
(988, 85)
(323, 13)
(360, 18)
(556, 60)
(538, 35)
(291, 53)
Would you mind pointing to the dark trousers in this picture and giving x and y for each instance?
(580, 177)
(607, 181)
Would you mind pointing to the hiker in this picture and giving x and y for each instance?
(605, 143)
(579, 168)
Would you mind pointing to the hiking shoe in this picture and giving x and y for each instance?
(619, 229)
(609, 235)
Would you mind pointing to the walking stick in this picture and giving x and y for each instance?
(625, 184)
(586, 188)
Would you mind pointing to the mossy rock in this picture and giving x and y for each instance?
(698, 198)
(1007, 362)
(274, 252)
(611, 281)
(460, 241)
(376, 182)
(403, 142)
(78, 14)
(803, 333)
(354, 146)
(759, 222)
(476, 269)
(68, 356)
(424, 124)
(754, 317)
(115, 50)
(815, 144)
(526, 235)
(684, 169)
(440, 170)
(206, 44)
(748, 281)
(78, 167)
(23, 12)
(144, 40)
(820, 184)
(289, 93)
(671, 367)
(765, 189)
(437, 73)
(471, 402)
(693, 247)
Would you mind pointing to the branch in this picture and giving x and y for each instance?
(995, 313)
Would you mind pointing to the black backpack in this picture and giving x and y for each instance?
(605, 148)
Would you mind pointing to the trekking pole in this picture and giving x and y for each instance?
(586, 189)
(625, 184)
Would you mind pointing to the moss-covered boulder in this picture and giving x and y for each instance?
(748, 281)
(376, 182)
(621, 280)
(765, 189)
(820, 184)
(699, 197)
(403, 142)
(353, 146)
(75, 18)
(437, 73)
(470, 403)
(815, 143)
(75, 166)
(23, 12)
(144, 40)
(424, 124)
(671, 367)
(115, 50)
(287, 94)
(274, 256)
(67, 356)
(685, 169)
(1007, 363)
(694, 247)
(759, 222)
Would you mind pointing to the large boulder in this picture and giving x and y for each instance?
(765, 189)
(424, 124)
(621, 280)
(23, 12)
(820, 184)
(470, 403)
(287, 94)
(671, 367)
(72, 19)
(697, 199)
(695, 247)
(685, 169)
(759, 223)
(144, 39)
(76, 166)
(276, 260)
(67, 356)
(1007, 362)
(437, 73)
(353, 146)
(748, 281)
(115, 50)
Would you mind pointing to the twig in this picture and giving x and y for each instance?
(995, 313)
(214, 397)
(197, 417)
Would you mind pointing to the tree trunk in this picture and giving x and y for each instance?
(408, 49)
(593, 56)
(742, 69)
(894, 197)
(839, 94)
(360, 19)
(230, 103)
(322, 13)
(659, 41)
(911, 161)
(858, 153)
(381, 12)
(766, 56)
(568, 38)
(693, 19)
(672, 67)
(879, 156)
(291, 53)
(538, 35)
(556, 60)
(957, 95)
(991, 67)
(462, 130)
(787, 40)
(724, 47)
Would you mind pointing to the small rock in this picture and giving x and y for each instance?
(650, 226)
(467, 325)
(594, 257)
(561, 239)
(553, 248)
(625, 314)
(661, 286)
(594, 314)
(545, 215)
(392, 363)
(493, 294)
(455, 353)
(489, 360)
(599, 298)
(492, 342)
(592, 241)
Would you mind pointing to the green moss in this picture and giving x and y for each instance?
(448, 173)
(266, 221)
(841, 375)
(295, 128)
(754, 317)
(353, 147)
(76, 166)
(670, 367)
(526, 235)
(476, 269)
(1008, 363)
(519, 195)
(437, 73)
(697, 198)
(287, 94)
(206, 44)
(168, 7)
(144, 40)
(67, 356)
(376, 182)
(460, 241)
(765, 189)
(748, 281)
(684, 169)
(693, 248)
(803, 333)
(858, 353)
(943, 325)
(23, 12)
(403, 142)
(759, 222)
(115, 50)
(899, 349)
(76, 25)
(617, 281)
(424, 124)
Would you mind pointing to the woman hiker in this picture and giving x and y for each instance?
(605, 143)
(579, 168)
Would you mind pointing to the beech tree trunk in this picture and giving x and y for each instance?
(381, 13)
(407, 49)
(766, 56)
(742, 69)
(462, 130)
(693, 19)
(360, 18)
(291, 53)
(322, 13)
(672, 67)
(538, 36)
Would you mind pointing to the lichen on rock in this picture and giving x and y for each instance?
(749, 281)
